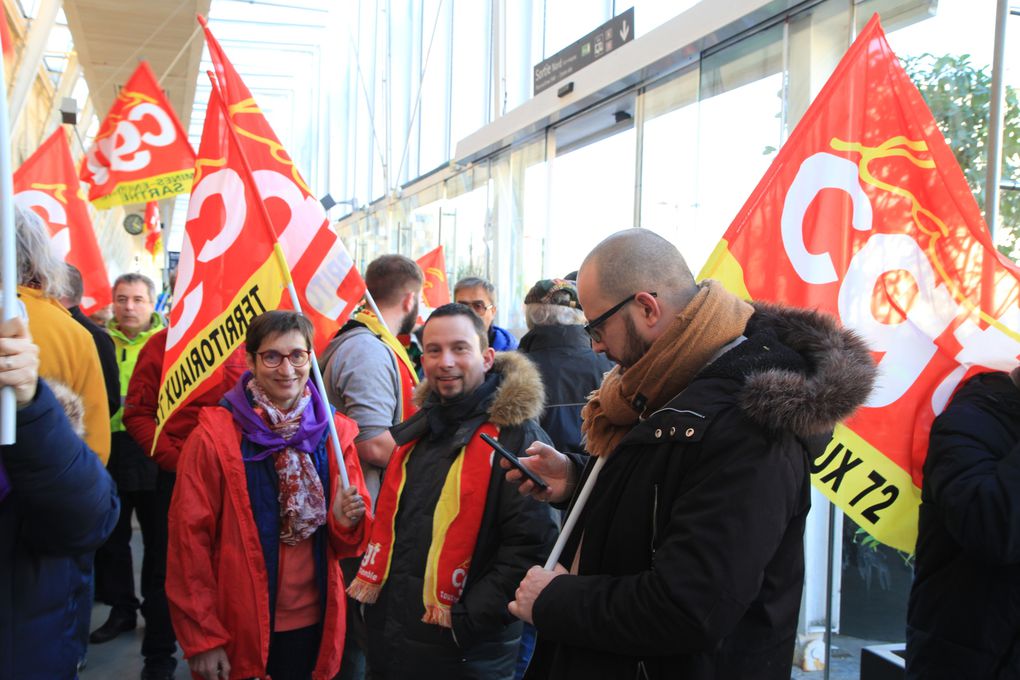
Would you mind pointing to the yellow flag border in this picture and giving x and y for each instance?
(121, 193)
(260, 293)
(875, 492)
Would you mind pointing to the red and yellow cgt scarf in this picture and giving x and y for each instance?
(455, 524)
(408, 376)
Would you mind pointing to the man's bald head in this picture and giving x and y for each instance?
(636, 260)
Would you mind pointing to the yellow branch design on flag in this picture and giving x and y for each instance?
(888, 149)
(57, 189)
(202, 163)
(131, 99)
(275, 148)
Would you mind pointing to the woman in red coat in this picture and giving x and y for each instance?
(259, 521)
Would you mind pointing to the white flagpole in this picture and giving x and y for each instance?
(8, 255)
(993, 169)
(316, 373)
(575, 513)
(320, 385)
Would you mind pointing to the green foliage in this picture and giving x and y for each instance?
(959, 96)
(866, 540)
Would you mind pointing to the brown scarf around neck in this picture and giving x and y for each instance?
(713, 319)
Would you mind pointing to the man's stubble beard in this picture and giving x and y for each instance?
(634, 348)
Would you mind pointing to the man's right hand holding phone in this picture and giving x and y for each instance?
(552, 466)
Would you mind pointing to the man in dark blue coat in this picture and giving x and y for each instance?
(57, 502)
(480, 296)
(963, 619)
(559, 347)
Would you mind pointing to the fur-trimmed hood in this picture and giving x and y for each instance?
(520, 396)
(72, 404)
(839, 377)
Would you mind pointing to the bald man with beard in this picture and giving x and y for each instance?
(688, 559)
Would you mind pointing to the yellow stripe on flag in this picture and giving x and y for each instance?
(875, 492)
(725, 269)
(209, 347)
(278, 249)
(154, 188)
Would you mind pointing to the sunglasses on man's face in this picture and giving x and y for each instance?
(591, 328)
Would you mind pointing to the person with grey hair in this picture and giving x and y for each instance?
(480, 296)
(102, 339)
(38, 264)
(67, 353)
(111, 379)
(68, 356)
(557, 344)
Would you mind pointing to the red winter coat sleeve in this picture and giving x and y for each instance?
(349, 542)
(143, 398)
(194, 547)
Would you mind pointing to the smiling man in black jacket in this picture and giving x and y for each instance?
(452, 538)
(688, 560)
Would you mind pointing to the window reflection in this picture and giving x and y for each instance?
(740, 130)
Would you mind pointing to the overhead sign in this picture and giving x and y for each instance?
(597, 44)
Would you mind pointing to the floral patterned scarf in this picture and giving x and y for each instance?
(302, 501)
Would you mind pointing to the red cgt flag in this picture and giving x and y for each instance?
(230, 269)
(141, 152)
(327, 283)
(865, 214)
(47, 183)
(436, 291)
(153, 230)
(6, 39)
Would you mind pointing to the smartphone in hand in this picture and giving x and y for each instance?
(513, 460)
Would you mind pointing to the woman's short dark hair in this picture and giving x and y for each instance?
(457, 309)
(276, 322)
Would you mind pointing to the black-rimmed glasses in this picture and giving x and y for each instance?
(297, 358)
(591, 328)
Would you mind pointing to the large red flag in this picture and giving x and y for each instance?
(141, 152)
(230, 269)
(436, 291)
(153, 230)
(6, 39)
(327, 283)
(47, 183)
(865, 214)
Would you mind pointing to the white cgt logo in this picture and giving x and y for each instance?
(55, 216)
(907, 346)
(123, 150)
(306, 217)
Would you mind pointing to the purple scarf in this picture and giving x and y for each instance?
(254, 428)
